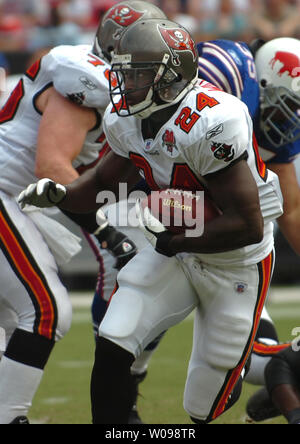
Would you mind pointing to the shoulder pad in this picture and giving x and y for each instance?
(80, 75)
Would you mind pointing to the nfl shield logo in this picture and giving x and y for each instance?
(240, 287)
(148, 145)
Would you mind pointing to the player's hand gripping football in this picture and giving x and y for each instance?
(154, 231)
(43, 194)
(117, 243)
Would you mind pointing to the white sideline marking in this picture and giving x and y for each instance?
(81, 299)
(278, 312)
(55, 401)
(281, 295)
(75, 364)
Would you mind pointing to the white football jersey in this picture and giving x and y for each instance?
(209, 131)
(76, 74)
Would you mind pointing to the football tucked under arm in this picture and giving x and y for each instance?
(168, 212)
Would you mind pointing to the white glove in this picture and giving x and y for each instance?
(43, 194)
(154, 231)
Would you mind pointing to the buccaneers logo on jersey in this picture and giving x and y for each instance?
(169, 143)
(222, 151)
(178, 40)
(123, 16)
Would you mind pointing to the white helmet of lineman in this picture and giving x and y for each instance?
(278, 69)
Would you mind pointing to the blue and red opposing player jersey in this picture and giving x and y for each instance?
(230, 66)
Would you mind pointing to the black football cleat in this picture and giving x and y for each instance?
(260, 406)
(134, 417)
(20, 420)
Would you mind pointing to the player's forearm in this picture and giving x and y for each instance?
(220, 235)
(289, 222)
(87, 221)
(289, 225)
(82, 194)
(63, 173)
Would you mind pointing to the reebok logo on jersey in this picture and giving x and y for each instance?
(88, 83)
(222, 151)
(215, 132)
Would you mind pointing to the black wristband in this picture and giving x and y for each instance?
(87, 221)
(102, 236)
(163, 243)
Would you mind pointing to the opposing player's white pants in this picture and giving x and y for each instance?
(32, 296)
(122, 216)
(156, 292)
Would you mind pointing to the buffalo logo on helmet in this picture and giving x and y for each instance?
(178, 40)
(222, 151)
(169, 143)
(290, 63)
(124, 16)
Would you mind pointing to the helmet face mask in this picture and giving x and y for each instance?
(278, 69)
(140, 85)
(280, 118)
(148, 78)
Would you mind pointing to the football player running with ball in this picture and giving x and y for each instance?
(226, 272)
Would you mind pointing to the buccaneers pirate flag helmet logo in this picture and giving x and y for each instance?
(123, 16)
(117, 19)
(178, 40)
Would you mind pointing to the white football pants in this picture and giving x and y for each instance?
(156, 292)
(32, 297)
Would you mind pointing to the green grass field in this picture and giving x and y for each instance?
(63, 397)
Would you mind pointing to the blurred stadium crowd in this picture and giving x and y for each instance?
(29, 27)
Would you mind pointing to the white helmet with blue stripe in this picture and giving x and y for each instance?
(278, 69)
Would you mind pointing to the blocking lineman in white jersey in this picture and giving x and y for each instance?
(43, 131)
(51, 126)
